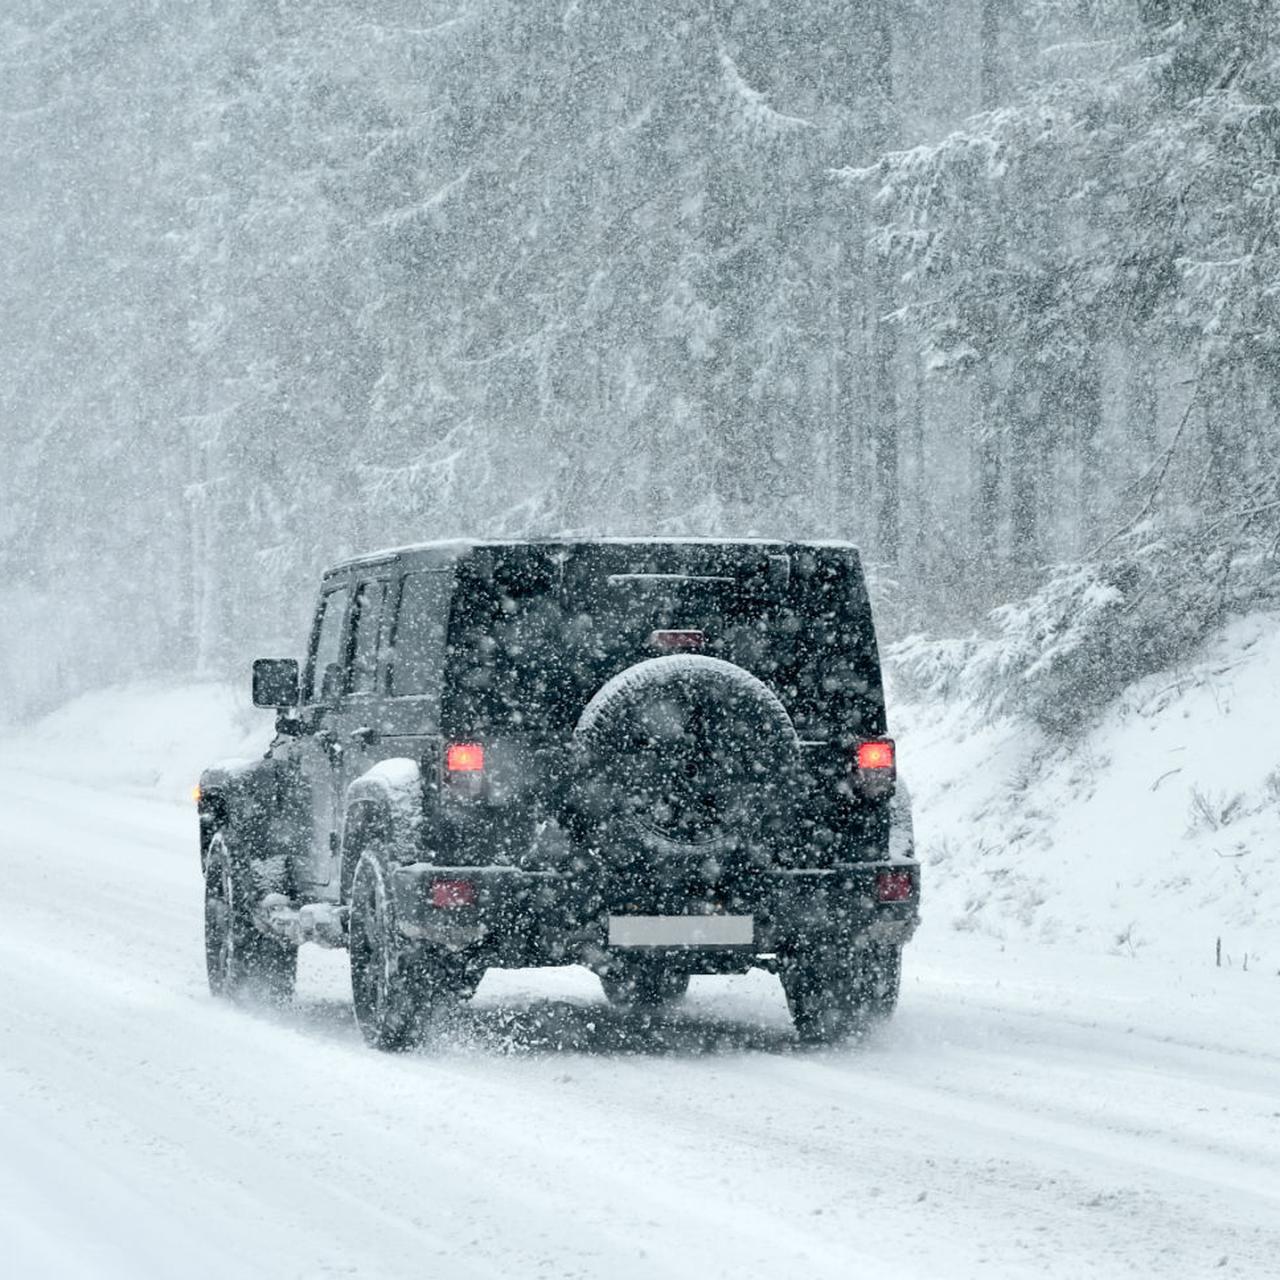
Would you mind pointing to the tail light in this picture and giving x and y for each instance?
(875, 766)
(450, 894)
(464, 768)
(894, 886)
(876, 755)
(464, 757)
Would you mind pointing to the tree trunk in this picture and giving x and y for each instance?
(986, 453)
(884, 397)
(1026, 430)
(921, 508)
(987, 468)
(850, 469)
(989, 53)
(1218, 479)
(1144, 408)
(1087, 408)
(885, 437)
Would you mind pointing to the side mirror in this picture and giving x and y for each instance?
(275, 682)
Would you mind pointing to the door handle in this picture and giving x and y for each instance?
(364, 734)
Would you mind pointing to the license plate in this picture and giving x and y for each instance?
(681, 931)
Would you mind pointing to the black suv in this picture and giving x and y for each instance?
(653, 758)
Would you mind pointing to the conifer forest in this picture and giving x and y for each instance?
(988, 287)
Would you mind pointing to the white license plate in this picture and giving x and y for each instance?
(681, 931)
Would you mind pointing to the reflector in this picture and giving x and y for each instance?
(453, 893)
(893, 886)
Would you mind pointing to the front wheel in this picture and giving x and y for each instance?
(396, 987)
(833, 994)
(240, 960)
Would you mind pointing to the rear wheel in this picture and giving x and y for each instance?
(397, 987)
(642, 984)
(833, 994)
(241, 960)
(882, 981)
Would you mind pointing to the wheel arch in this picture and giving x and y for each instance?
(237, 792)
(383, 806)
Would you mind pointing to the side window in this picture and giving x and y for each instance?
(363, 677)
(417, 654)
(326, 657)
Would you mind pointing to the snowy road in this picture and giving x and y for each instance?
(1028, 1114)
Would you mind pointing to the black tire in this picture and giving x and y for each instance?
(241, 961)
(881, 981)
(397, 987)
(833, 994)
(640, 984)
(683, 757)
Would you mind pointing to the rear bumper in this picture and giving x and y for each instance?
(548, 917)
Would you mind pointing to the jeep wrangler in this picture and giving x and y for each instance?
(654, 758)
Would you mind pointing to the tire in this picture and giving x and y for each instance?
(882, 981)
(397, 987)
(241, 961)
(638, 984)
(834, 994)
(682, 758)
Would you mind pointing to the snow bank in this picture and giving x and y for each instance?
(142, 738)
(1156, 832)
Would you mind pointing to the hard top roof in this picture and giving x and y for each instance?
(446, 549)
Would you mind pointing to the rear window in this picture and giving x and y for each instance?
(529, 651)
(418, 642)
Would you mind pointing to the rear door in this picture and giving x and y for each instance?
(316, 752)
(354, 722)
(794, 616)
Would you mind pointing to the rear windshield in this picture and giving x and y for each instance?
(529, 644)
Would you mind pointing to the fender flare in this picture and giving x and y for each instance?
(902, 844)
(229, 790)
(384, 806)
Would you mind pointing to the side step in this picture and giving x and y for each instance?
(322, 922)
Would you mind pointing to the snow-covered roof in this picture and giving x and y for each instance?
(460, 546)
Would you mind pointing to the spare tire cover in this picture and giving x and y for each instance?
(684, 756)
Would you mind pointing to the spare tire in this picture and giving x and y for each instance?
(683, 757)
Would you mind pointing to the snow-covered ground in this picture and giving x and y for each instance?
(1047, 1103)
(1154, 835)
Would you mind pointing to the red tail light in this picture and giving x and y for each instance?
(464, 757)
(463, 774)
(876, 755)
(448, 894)
(894, 886)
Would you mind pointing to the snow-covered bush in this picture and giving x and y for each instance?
(1068, 649)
